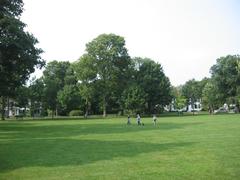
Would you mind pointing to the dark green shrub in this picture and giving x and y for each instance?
(76, 113)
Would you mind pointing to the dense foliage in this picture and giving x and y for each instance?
(18, 54)
(226, 77)
(104, 80)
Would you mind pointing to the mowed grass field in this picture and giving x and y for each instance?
(187, 147)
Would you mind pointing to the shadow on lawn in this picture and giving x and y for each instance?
(47, 145)
(21, 130)
(65, 152)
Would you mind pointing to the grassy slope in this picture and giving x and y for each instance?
(193, 147)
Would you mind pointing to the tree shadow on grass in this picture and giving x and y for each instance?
(69, 152)
(32, 130)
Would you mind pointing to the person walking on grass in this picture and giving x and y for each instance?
(154, 119)
(129, 120)
(138, 120)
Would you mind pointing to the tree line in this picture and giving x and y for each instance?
(222, 87)
(103, 80)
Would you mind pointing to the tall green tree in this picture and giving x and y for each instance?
(151, 78)
(134, 99)
(69, 98)
(86, 72)
(36, 96)
(111, 59)
(54, 78)
(226, 76)
(211, 98)
(22, 97)
(192, 90)
(18, 54)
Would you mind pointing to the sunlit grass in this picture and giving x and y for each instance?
(188, 147)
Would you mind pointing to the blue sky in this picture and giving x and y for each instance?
(185, 37)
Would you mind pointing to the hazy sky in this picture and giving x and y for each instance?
(184, 36)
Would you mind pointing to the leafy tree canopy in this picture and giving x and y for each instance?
(11, 7)
(18, 54)
(110, 58)
(226, 75)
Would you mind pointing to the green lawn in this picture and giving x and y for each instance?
(188, 147)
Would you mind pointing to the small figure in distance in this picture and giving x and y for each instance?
(138, 120)
(129, 120)
(154, 119)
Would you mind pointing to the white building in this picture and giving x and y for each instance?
(196, 106)
(12, 110)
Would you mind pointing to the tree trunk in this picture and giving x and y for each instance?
(8, 107)
(52, 113)
(104, 107)
(87, 106)
(56, 112)
(86, 113)
(3, 108)
(104, 111)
